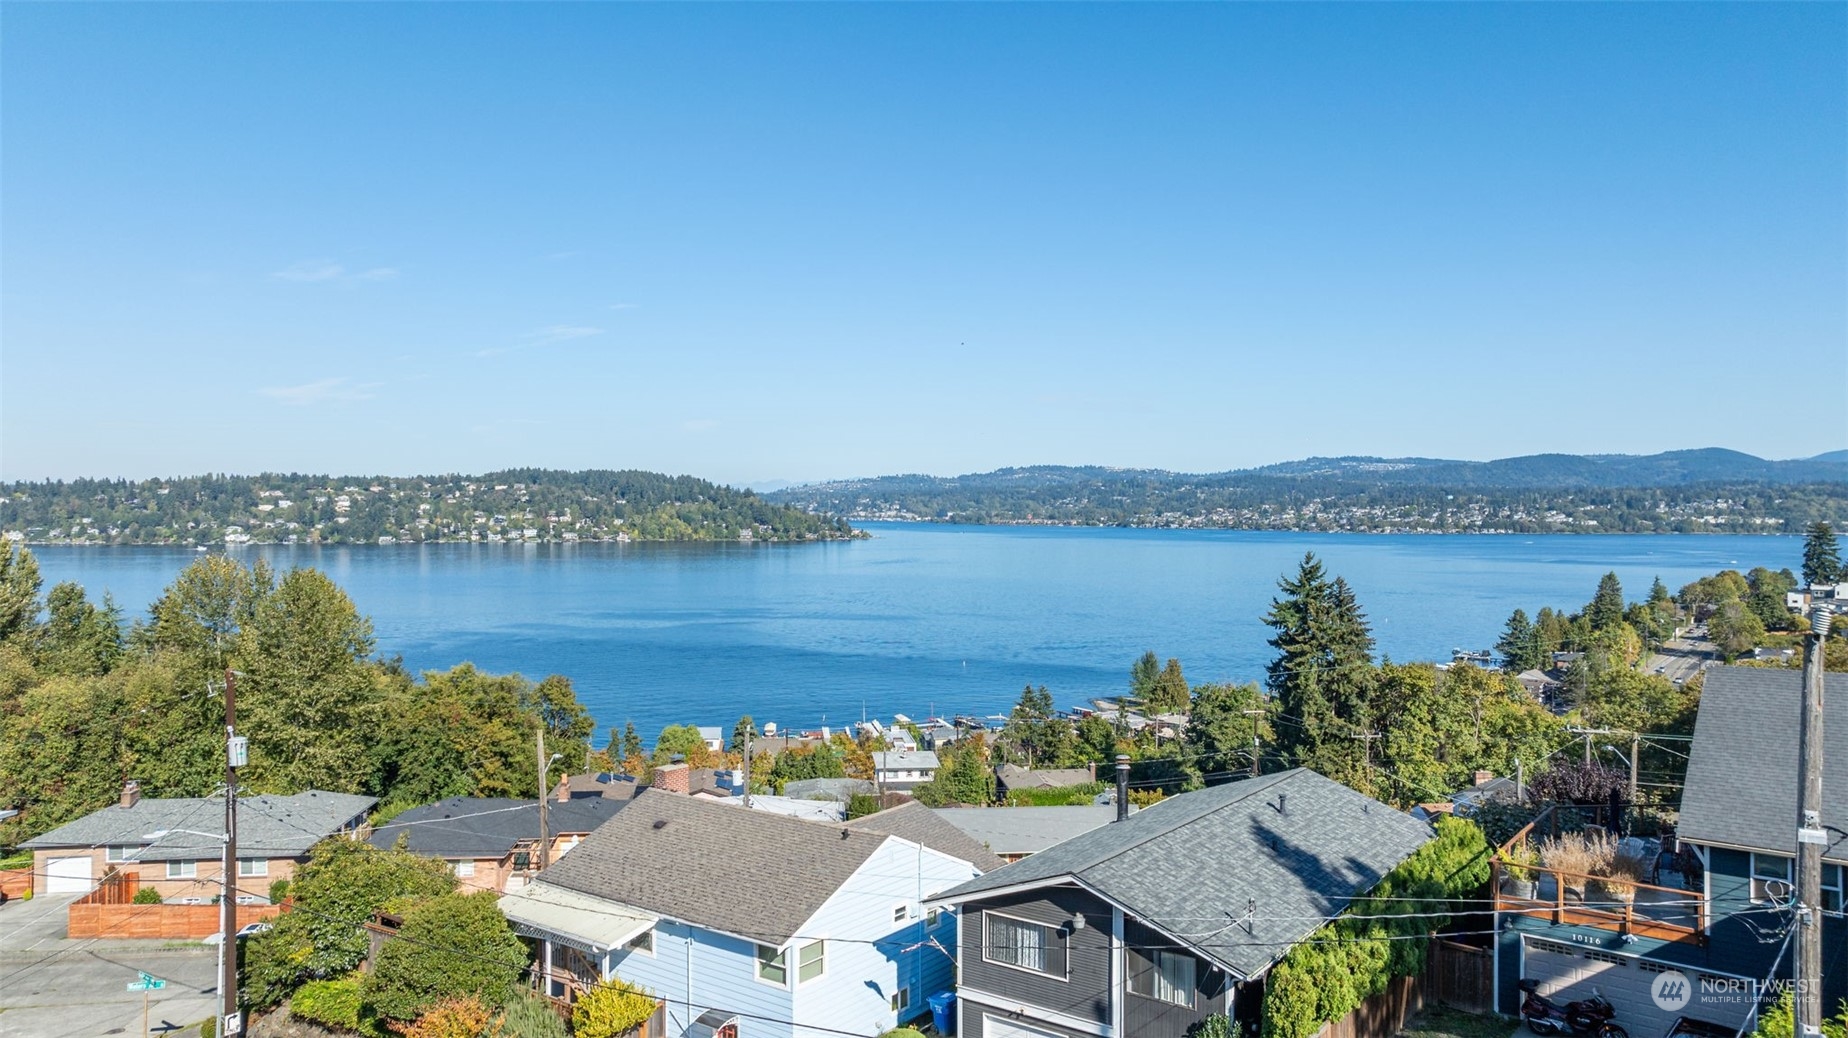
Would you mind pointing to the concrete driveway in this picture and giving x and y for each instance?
(54, 987)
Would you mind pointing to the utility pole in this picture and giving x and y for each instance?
(230, 1021)
(1635, 745)
(749, 730)
(1811, 836)
(545, 794)
(1256, 768)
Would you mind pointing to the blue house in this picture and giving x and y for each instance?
(747, 923)
(1722, 921)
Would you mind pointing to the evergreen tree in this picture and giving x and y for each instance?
(1322, 674)
(19, 588)
(743, 730)
(1169, 694)
(1221, 731)
(1822, 560)
(1520, 644)
(1658, 592)
(631, 742)
(1606, 608)
(1143, 674)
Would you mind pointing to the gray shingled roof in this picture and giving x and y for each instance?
(919, 824)
(1027, 830)
(486, 827)
(714, 865)
(1742, 772)
(1013, 776)
(267, 826)
(1191, 864)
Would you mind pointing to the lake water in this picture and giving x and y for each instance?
(922, 618)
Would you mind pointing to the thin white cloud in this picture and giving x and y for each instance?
(322, 391)
(550, 335)
(324, 271)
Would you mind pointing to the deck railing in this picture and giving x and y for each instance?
(1562, 897)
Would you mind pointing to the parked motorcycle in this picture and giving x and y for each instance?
(1592, 1016)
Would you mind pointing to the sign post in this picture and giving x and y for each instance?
(145, 984)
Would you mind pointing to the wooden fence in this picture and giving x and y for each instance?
(1455, 974)
(110, 911)
(15, 882)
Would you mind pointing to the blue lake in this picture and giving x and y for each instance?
(922, 618)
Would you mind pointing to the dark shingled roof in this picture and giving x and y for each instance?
(919, 824)
(268, 826)
(1742, 772)
(485, 827)
(715, 865)
(1297, 845)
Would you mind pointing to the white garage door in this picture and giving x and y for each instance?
(998, 1027)
(1567, 974)
(68, 875)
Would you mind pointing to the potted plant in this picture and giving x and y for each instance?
(1621, 876)
(1518, 876)
(1578, 857)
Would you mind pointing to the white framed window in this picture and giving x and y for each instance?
(1768, 869)
(933, 918)
(900, 913)
(1832, 888)
(1018, 943)
(643, 942)
(811, 961)
(253, 866)
(121, 852)
(463, 869)
(773, 965)
(182, 869)
(901, 1000)
(1168, 977)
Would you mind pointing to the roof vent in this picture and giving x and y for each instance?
(660, 823)
(1282, 803)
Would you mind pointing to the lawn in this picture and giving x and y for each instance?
(1444, 1022)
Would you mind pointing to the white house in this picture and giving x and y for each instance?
(903, 769)
(751, 922)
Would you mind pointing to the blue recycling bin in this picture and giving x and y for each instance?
(943, 1011)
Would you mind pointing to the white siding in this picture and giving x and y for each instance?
(867, 960)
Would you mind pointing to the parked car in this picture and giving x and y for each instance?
(253, 929)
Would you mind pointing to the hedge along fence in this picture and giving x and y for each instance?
(1382, 935)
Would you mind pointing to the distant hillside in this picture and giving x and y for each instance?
(514, 505)
(1708, 490)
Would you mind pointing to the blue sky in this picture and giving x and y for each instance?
(793, 242)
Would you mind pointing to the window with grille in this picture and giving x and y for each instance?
(772, 965)
(811, 961)
(1017, 943)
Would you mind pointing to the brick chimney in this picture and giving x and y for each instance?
(672, 778)
(563, 793)
(131, 793)
(1091, 767)
(1484, 776)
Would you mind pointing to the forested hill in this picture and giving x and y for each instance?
(514, 505)
(1678, 492)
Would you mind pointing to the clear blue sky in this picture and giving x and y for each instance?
(798, 242)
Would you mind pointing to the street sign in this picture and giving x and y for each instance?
(147, 983)
(234, 1024)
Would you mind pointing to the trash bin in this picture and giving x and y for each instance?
(943, 1011)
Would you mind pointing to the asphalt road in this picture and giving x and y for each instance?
(1682, 658)
(54, 987)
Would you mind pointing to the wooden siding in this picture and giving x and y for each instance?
(1087, 952)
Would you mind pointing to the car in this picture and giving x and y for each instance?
(213, 938)
(253, 929)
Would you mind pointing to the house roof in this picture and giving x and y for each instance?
(1013, 776)
(267, 826)
(840, 789)
(1237, 872)
(904, 760)
(582, 921)
(919, 824)
(1537, 676)
(1026, 830)
(488, 827)
(1742, 770)
(715, 866)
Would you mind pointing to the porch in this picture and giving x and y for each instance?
(1523, 885)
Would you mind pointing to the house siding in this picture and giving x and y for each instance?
(871, 956)
(1087, 953)
(974, 1022)
(722, 970)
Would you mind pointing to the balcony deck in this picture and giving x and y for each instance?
(1560, 897)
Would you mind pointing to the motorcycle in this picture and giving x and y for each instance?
(1592, 1016)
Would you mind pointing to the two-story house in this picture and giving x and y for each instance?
(169, 843)
(904, 769)
(747, 922)
(1721, 921)
(492, 843)
(1146, 926)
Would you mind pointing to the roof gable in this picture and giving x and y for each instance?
(488, 827)
(919, 824)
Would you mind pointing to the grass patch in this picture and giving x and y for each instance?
(1445, 1022)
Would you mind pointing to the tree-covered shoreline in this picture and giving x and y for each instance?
(524, 505)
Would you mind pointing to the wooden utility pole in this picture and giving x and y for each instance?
(230, 1023)
(1635, 745)
(1811, 836)
(749, 730)
(1256, 768)
(545, 794)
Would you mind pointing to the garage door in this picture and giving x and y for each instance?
(999, 1027)
(1566, 974)
(68, 875)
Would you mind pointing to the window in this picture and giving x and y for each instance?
(933, 917)
(1832, 888)
(900, 913)
(901, 999)
(182, 869)
(1768, 869)
(772, 965)
(253, 866)
(1016, 942)
(811, 961)
(643, 942)
(522, 859)
(463, 869)
(1168, 977)
(122, 852)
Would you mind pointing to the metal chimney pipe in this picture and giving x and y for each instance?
(1122, 791)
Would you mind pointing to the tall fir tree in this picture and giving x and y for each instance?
(1606, 608)
(1520, 643)
(1322, 675)
(1822, 559)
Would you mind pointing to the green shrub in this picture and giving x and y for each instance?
(530, 1015)
(146, 896)
(450, 947)
(1062, 796)
(610, 1009)
(903, 1032)
(334, 1003)
(278, 890)
(1219, 1025)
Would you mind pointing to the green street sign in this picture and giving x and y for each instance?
(147, 983)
